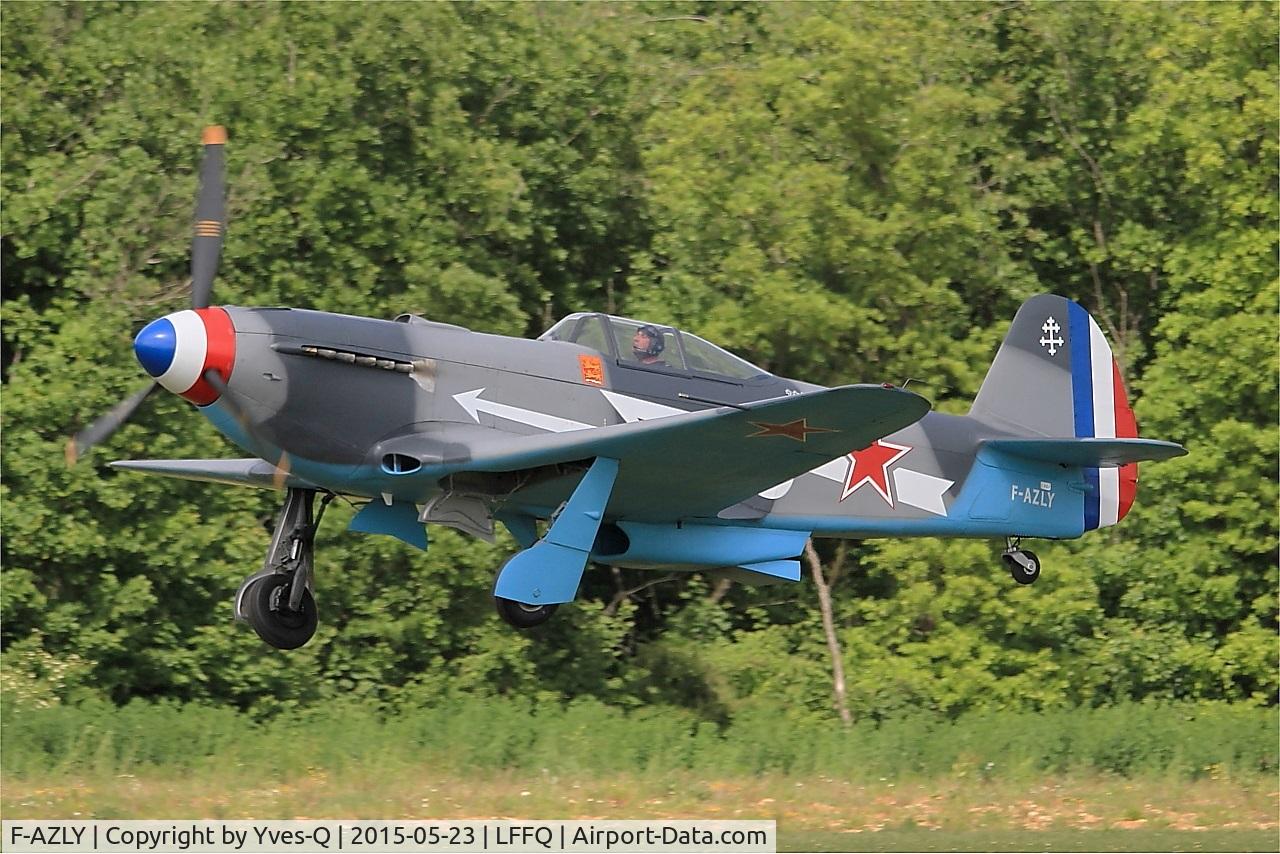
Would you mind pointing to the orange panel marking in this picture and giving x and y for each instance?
(592, 370)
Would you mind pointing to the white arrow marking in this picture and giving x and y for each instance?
(914, 488)
(634, 409)
(837, 470)
(776, 492)
(921, 490)
(470, 401)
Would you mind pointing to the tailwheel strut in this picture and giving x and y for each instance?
(1023, 564)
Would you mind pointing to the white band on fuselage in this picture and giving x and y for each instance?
(191, 343)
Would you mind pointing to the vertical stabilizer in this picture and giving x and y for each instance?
(1055, 376)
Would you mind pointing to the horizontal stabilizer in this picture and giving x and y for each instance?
(1088, 452)
(247, 472)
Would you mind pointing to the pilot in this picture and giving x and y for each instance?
(647, 345)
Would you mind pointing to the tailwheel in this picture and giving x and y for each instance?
(266, 605)
(1023, 565)
(523, 616)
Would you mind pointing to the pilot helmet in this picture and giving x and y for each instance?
(654, 334)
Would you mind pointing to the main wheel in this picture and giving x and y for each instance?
(266, 604)
(523, 616)
(1024, 571)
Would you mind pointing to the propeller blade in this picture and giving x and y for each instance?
(106, 424)
(282, 471)
(228, 400)
(242, 418)
(211, 217)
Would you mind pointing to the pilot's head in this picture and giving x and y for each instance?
(647, 343)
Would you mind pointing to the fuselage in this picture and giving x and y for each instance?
(388, 409)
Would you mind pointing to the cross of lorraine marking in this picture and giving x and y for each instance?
(1050, 329)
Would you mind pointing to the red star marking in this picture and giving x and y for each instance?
(798, 429)
(871, 465)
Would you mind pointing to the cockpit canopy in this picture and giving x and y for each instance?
(677, 352)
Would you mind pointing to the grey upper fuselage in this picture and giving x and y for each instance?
(353, 400)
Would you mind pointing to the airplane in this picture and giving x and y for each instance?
(619, 441)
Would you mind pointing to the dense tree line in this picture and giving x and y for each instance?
(839, 192)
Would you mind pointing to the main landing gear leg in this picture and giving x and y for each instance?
(1023, 564)
(277, 601)
(533, 582)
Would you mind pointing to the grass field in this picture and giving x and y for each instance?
(1129, 778)
(818, 813)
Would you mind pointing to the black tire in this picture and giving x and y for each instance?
(1021, 574)
(523, 616)
(266, 605)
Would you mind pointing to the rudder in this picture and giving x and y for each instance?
(1056, 376)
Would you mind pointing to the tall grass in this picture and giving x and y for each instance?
(586, 737)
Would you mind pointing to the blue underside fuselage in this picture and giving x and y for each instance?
(1002, 496)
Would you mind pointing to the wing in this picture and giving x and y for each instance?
(249, 472)
(698, 463)
(692, 464)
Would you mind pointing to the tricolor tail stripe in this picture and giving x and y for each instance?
(1101, 411)
(1081, 373)
(1126, 428)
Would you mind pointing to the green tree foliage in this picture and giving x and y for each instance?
(1161, 143)
(840, 192)
(821, 201)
